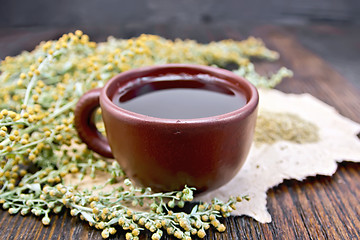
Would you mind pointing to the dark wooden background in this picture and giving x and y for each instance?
(79, 13)
(317, 208)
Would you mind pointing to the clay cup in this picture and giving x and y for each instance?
(167, 154)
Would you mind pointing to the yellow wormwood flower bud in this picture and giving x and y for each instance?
(46, 45)
(135, 232)
(15, 168)
(110, 67)
(92, 204)
(23, 172)
(11, 186)
(132, 226)
(57, 179)
(96, 211)
(178, 234)
(201, 233)
(22, 75)
(105, 233)
(217, 207)
(5, 113)
(142, 221)
(75, 39)
(78, 33)
(52, 193)
(30, 110)
(206, 226)
(117, 51)
(205, 218)
(32, 157)
(215, 223)
(38, 89)
(85, 37)
(12, 114)
(101, 225)
(64, 37)
(63, 190)
(59, 127)
(221, 228)
(94, 84)
(112, 230)
(17, 159)
(40, 84)
(7, 174)
(129, 212)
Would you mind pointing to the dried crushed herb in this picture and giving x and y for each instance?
(272, 127)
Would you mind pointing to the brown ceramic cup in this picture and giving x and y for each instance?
(166, 154)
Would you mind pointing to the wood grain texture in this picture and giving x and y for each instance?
(92, 12)
(317, 208)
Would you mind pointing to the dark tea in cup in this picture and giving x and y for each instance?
(179, 96)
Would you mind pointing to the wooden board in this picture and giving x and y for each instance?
(317, 208)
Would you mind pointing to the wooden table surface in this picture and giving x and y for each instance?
(318, 208)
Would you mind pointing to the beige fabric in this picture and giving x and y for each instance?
(269, 165)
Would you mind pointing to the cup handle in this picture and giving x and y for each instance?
(85, 123)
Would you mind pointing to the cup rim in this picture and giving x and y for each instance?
(241, 113)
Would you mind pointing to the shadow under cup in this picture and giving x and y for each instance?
(167, 154)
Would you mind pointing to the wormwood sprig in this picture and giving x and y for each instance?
(40, 148)
(105, 211)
